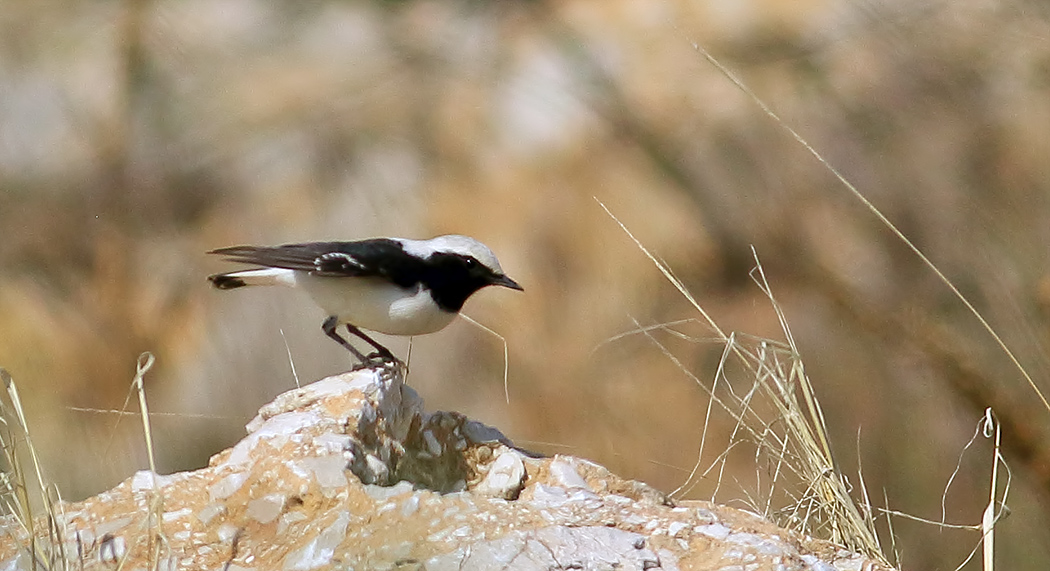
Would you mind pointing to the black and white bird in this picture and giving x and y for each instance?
(395, 286)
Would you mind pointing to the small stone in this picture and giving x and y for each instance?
(329, 471)
(714, 530)
(565, 475)
(210, 511)
(479, 433)
(377, 470)
(227, 532)
(675, 528)
(447, 421)
(410, 506)
(386, 493)
(227, 486)
(505, 479)
(289, 519)
(266, 508)
(319, 552)
(174, 515)
(704, 515)
(112, 549)
(433, 446)
(816, 564)
(142, 480)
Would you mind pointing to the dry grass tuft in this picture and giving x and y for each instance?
(778, 417)
(761, 385)
(25, 493)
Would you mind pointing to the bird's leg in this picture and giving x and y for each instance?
(329, 326)
(384, 353)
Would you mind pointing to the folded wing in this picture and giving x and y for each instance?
(375, 257)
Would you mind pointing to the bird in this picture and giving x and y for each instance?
(396, 286)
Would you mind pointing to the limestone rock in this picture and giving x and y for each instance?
(351, 473)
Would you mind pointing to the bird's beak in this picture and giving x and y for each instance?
(503, 280)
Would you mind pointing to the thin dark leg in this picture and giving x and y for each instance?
(329, 326)
(384, 353)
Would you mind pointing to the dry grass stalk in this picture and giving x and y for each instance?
(20, 492)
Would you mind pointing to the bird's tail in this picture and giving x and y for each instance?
(265, 276)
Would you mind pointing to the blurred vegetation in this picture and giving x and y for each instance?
(136, 135)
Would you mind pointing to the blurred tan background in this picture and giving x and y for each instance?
(136, 135)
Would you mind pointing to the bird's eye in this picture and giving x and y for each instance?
(471, 263)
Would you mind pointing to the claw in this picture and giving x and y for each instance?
(378, 360)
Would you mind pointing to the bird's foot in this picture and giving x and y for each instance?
(379, 360)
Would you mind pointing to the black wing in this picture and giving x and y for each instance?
(374, 257)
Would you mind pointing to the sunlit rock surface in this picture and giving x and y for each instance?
(351, 473)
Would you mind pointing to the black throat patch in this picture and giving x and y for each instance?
(452, 278)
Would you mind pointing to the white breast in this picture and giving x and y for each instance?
(375, 304)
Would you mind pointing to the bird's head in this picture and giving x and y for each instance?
(461, 266)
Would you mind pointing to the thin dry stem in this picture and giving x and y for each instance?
(506, 354)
